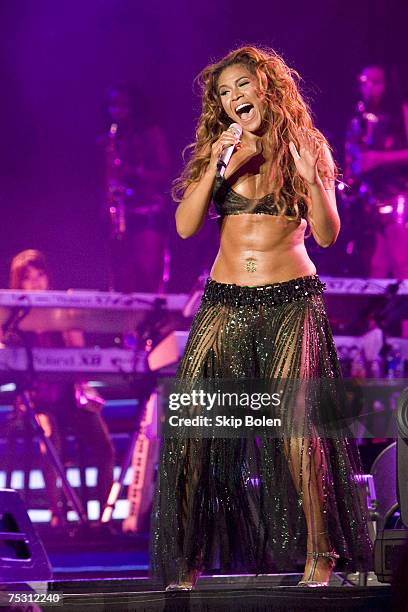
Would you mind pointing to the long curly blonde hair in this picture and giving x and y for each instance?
(285, 112)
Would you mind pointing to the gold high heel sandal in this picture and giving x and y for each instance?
(332, 556)
(186, 581)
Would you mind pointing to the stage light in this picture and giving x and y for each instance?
(9, 387)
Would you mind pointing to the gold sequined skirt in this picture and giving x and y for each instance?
(249, 504)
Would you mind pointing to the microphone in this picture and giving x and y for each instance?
(236, 130)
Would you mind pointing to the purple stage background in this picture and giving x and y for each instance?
(58, 59)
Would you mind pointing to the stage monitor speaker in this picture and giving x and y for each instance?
(391, 544)
(402, 456)
(390, 550)
(22, 555)
(384, 472)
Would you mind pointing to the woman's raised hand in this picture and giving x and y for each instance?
(306, 158)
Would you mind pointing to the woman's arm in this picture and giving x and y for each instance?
(323, 217)
(369, 160)
(191, 211)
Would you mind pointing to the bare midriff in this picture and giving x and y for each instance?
(260, 249)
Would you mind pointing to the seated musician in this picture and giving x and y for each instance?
(61, 405)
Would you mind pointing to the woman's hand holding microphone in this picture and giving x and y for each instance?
(222, 149)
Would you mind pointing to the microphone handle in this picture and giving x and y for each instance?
(225, 155)
(224, 160)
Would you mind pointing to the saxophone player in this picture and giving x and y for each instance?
(137, 170)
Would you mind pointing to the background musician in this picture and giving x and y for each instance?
(376, 167)
(137, 166)
(61, 406)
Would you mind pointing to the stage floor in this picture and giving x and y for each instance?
(220, 593)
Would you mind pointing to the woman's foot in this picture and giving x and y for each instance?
(318, 569)
(186, 582)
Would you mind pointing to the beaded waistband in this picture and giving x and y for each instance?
(271, 295)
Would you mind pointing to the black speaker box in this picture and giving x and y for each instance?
(391, 545)
(402, 455)
(22, 555)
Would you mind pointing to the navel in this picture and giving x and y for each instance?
(250, 264)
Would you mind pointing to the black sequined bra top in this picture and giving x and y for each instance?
(229, 202)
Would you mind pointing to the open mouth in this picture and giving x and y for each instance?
(245, 111)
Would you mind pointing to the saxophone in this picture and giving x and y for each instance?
(116, 187)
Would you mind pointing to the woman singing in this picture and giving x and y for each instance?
(261, 317)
